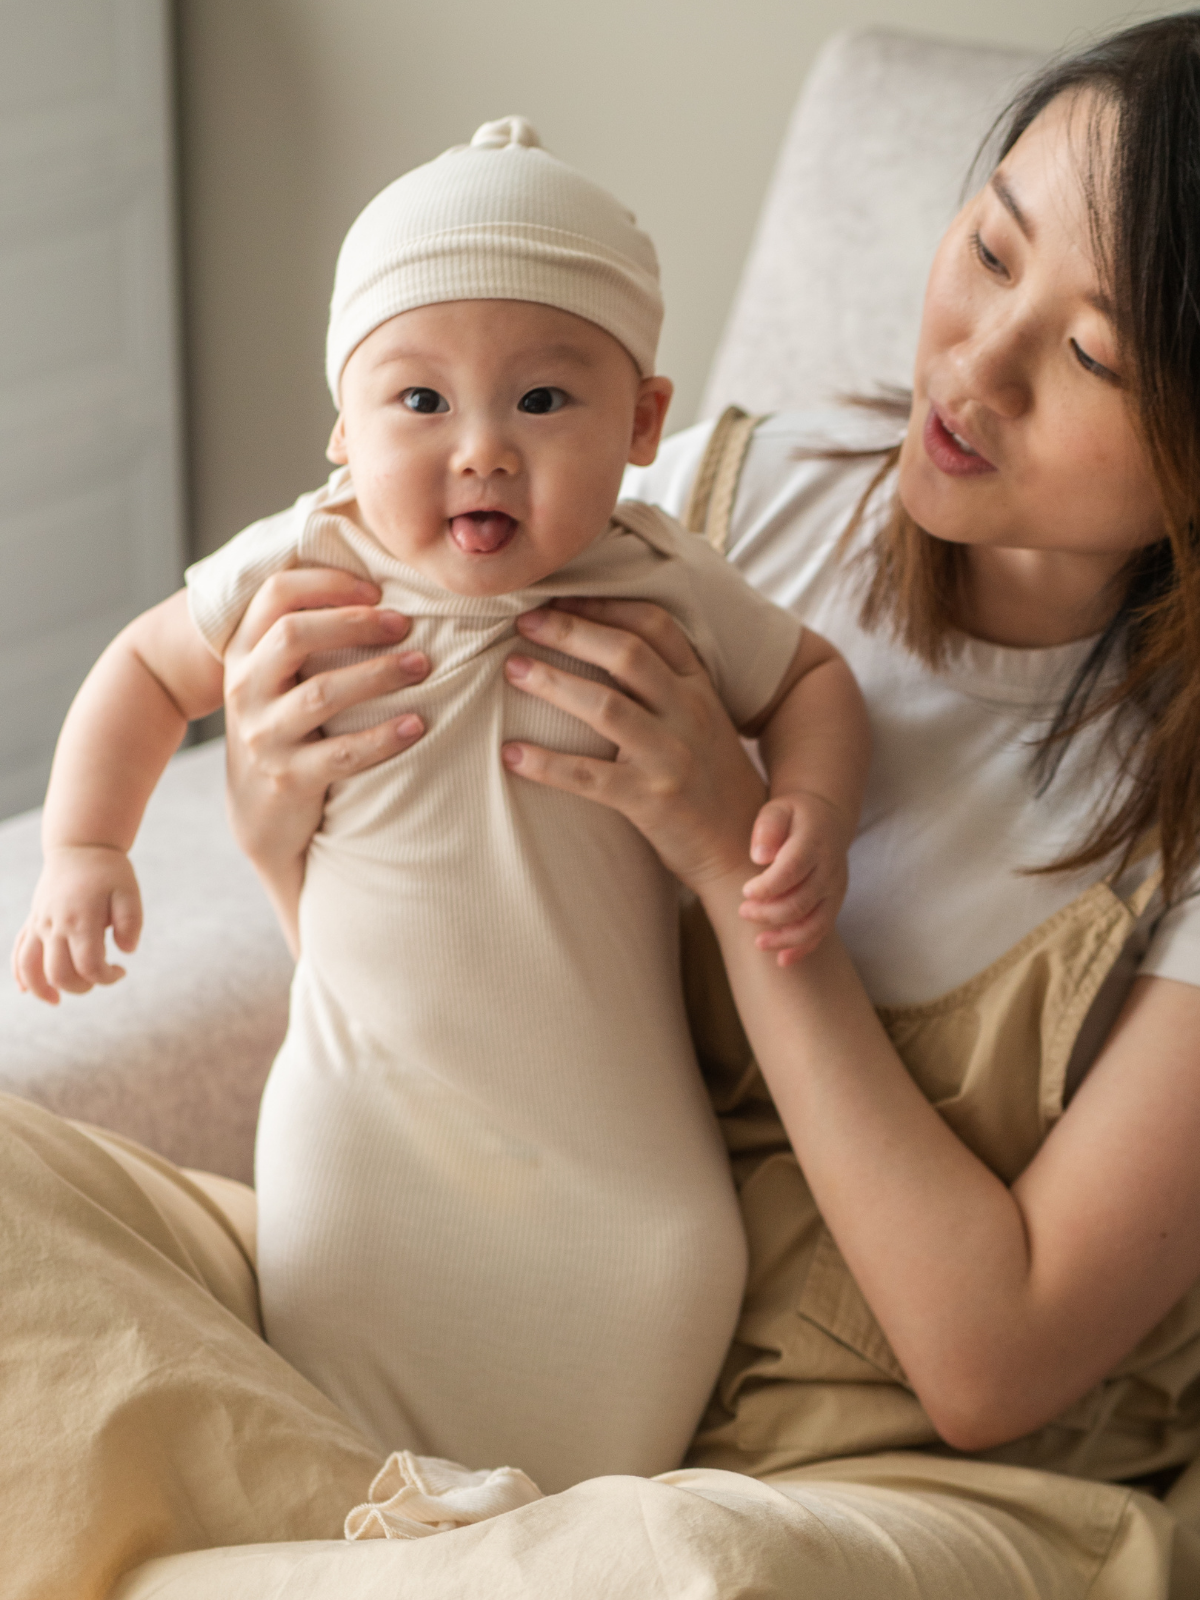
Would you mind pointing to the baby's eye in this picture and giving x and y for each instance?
(1089, 364)
(424, 401)
(539, 401)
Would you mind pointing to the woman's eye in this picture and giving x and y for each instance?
(539, 401)
(424, 401)
(1089, 364)
(983, 255)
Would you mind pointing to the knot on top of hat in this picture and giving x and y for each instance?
(507, 131)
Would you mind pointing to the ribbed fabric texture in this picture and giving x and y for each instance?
(498, 219)
(496, 1220)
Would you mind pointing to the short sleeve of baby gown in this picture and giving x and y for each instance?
(222, 585)
(745, 641)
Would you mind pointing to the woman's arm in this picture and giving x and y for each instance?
(1004, 1304)
(279, 765)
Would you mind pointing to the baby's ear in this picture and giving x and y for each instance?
(649, 415)
(335, 450)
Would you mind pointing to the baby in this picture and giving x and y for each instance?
(496, 1221)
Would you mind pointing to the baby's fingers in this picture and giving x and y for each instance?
(793, 943)
(126, 915)
(28, 969)
(59, 965)
(771, 828)
(785, 910)
(90, 959)
(793, 867)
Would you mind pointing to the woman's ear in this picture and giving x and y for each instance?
(649, 414)
(335, 450)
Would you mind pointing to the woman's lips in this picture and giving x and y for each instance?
(949, 452)
(482, 533)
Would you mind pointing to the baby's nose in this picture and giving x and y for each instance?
(484, 450)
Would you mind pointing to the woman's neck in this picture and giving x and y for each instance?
(1033, 599)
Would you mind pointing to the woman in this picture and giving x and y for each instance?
(972, 1316)
(1019, 598)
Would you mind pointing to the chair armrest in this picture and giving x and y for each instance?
(175, 1054)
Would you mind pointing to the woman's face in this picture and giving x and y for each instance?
(1022, 436)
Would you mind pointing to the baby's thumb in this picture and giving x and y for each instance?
(771, 828)
(126, 918)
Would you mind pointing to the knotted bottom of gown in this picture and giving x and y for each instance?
(414, 1496)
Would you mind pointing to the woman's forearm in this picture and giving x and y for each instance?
(937, 1243)
(283, 881)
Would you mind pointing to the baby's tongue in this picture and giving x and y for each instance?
(482, 532)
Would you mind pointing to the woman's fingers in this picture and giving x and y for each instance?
(302, 589)
(608, 712)
(316, 765)
(582, 775)
(281, 653)
(630, 659)
(296, 714)
(649, 622)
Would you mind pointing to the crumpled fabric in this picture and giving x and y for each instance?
(413, 1496)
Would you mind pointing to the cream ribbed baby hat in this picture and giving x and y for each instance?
(498, 219)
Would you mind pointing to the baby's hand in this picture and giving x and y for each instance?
(83, 890)
(801, 840)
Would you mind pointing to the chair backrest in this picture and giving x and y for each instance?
(871, 170)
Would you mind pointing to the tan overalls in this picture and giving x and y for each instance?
(811, 1375)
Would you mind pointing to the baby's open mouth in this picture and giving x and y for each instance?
(482, 533)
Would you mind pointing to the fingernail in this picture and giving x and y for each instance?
(407, 727)
(510, 754)
(518, 666)
(412, 660)
(532, 621)
(394, 621)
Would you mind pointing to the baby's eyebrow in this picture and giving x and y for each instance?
(530, 354)
(556, 352)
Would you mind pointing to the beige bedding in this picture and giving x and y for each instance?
(140, 1411)
(152, 1447)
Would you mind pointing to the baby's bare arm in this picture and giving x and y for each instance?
(815, 742)
(122, 729)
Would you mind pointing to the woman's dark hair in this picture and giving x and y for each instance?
(1142, 181)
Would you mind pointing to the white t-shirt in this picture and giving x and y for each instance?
(952, 811)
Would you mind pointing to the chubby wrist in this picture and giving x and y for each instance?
(59, 849)
(829, 807)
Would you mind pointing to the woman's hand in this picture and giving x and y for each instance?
(279, 765)
(680, 774)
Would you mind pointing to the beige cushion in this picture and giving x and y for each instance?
(175, 1054)
(870, 172)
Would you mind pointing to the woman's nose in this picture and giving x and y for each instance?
(993, 365)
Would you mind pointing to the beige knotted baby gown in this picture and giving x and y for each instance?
(496, 1221)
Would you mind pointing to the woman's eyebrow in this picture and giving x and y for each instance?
(1008, 200)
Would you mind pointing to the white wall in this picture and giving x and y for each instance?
(296, 111)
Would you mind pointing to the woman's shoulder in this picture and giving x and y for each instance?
(787, 443)
(802, 479)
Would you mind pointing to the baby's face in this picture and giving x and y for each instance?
(487, 438)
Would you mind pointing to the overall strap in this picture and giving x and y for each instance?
(710, 505)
